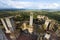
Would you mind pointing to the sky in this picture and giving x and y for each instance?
(30, 4)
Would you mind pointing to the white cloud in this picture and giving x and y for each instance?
(48, 5)
(22, 4)
(16, 4)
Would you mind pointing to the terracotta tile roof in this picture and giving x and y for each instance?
(7, 35)
(27, 37)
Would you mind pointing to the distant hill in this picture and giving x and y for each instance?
(11, 9)
(15, 9)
